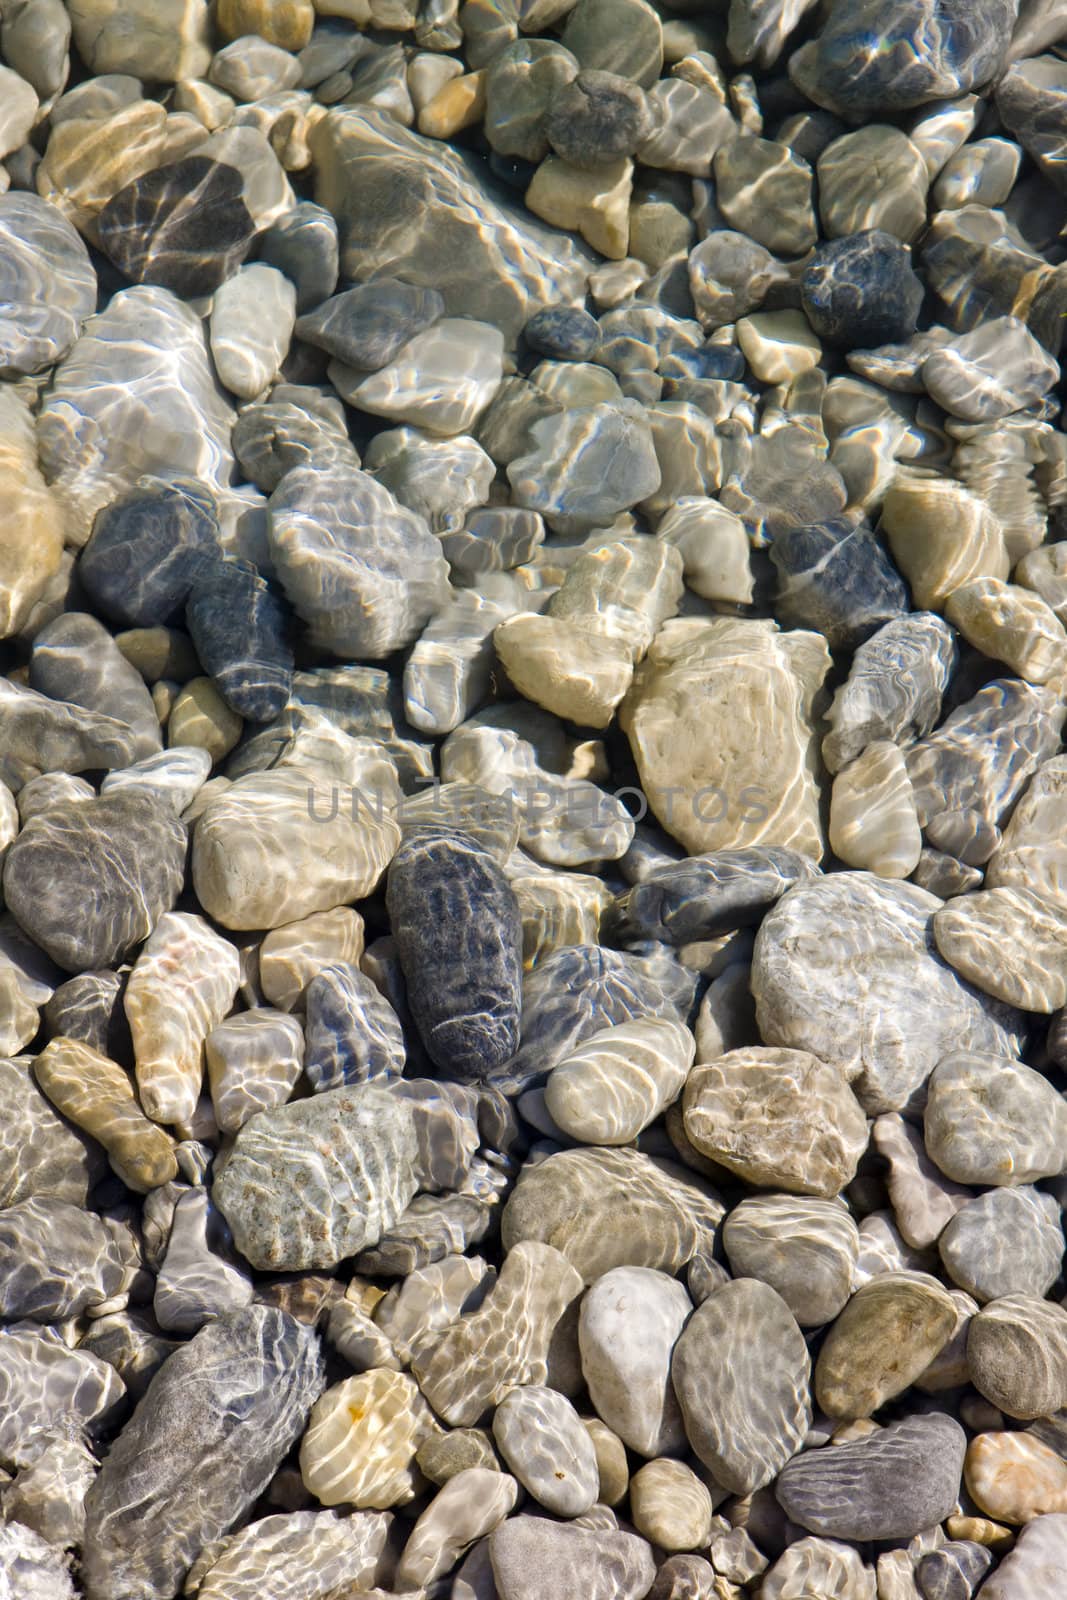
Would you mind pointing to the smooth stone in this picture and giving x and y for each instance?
(883, 1340)
(253, 1062)
(98, 1096)
(49, 1388)
(1010, 942)
(492, 538)
(186, 1450)
(704, 896)
(1009, 1241)
(488, 818)
(690, 124)
(824, 1569)
(1030, 1570)
(850, 204)
(292, 1550)
(292, 954)
(297, 426)
(837, 579)
(956, 1568)
(778, 345)
(520, 84)
(1028, 856)
(463, 965)
(624, 37)
(725, 790)
(361, 1439)
(109, 137)
(471, 1364)
(117, 861)
(44, 1154)
(448, 673)
(541, 1438)
(912, 66)
(354, 1176)
(628, 1325)
(619, 1080)
(1014, 1477)
(58, 1261)
(580, 679)
(251, 68)
(633, 1211)
(529, 1552)
(764, 190)
(90, 428)
(883, 943)
(32, 552)
(874, 825)
(741, 1371)
(714, 547)
(75, 660)
(441, 379)
(359, 569)
(894, 688)
(49, 285)
(267, 192)
(982, 173)
(585, 465)
(241, 631)
(441, 479)
(164, 41)
(199, 718)
(1010, 624)
(198, 1279)
(468, 1508)
(174, 776)
(47, 1496)
(923, 1200)
(596, 118)
(57, 738)
(748, 1109)
(990, 372)
(1030, 100)
(1017, 1355)
(183, 226)
(992, 1120)
(729, 275)
(352, 1032)
(862, 291)
(805, 1249)
(432, 1298)
(891, 1485)
(147, 548)
(498, 264)
(252, 318)
(302, 243)
(670, 1505)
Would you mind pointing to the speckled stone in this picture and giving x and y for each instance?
(741, 1372)
(532, 1554)
(112, 864)
(629, 1323)
(202, 1445)
(347, 1181)
(1017, 1355)
(894, 687)
(803, 1248)
(993, 1120)
(836, 578)
(458, 933)
(883, 947)
(98, 1096)
(861, 291)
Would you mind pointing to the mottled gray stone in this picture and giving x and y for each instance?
(75, 660)
(890, 1485)
(596, 118)
(1017, 1355)
(765, 191)
(47, 283)
(56, 1261)
(1030, 98)
(541, 1437)
(805, 1248)
(532, 1556)
(1031, 1569)
(206, 1438)
(56, 737)
(992, 1120)
(852, 1000)
(1009, 1241)
(586, 465)
(47, 1386)
(297, 426)
(352, 1033)
(89, 879)
(704, 896)
(347, 1181)
(991, 371)
(741, 1372)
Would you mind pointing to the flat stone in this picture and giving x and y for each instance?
(493, 262)
(520, 84)
(253, 1061)
(526, 1552)
(147, 549)
(468, 1508)
(163, 42)
(59, 1261)
(586, 465)
(883, 938)
(620, 36)
(76, 661)
(690, 125)
(704, 896)
(990, 372)
(1014, 1477)
(874, 825)
(959, 1563)
(923, 1200)
(848, 201)
(541, 1438)
(894, 687)
(741, 1372)
(297, 426)
(619, 1080)
(1009, 1241)
(805, 1249)
(1010, 943)
(778, 345)
(629, 1323)
(764, 190)
(1017, 1355)
(198, 1278)
(49, 1388)
(296, 1546)
(862, 291)
(91, 156)
(884, 1339)
(351, 1182)
(302, 243)
(448, 673)
(441, 479)
(441, 379)
(190, 1454)
(252, 318)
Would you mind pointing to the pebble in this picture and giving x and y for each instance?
(1017, 1355)
(49, 285)
(894, 689)
(529, 1553)
(352, 1033)
(923, 1200)
(874, 825)
(805, 1249)
(361, 1439)
(1014, 1477)
(469, 1507)
(1010, 943)
(541, 1438)
(629, 1323)
(861, 291)
(1010, 624)
(670, 1505)
(354, 1176)
(183, 226)
(848, 204)
(256, 298)
(292, 954)
(293, 1549)
(883, 1340)
(1030, 1569)
(253, 1061)
(741, 1372)
(1009, 1241)
(990, 372)
(778, 345)
(33, 545)
(836, 579)
(97, 1095)
(58, 1261)
(198, 1279)
(993, 1120)
(826, 1568)
(895, 1483)
(201, 719)
(618, 1081)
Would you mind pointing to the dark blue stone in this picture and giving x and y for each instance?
(458, 932)
(351, 1032)
(366, 326)
(303, 245)
(836, 577)
(955, 1572)
(703, 896)
(241, 634)
(147, 550)
(862, 291)
(563, 332)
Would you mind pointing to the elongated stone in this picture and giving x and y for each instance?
(923, 1201)
(49, 285)
(882, 957)
(352, 1032)
(311, 1183)
(629, 1323)
(203, 1443)
(361, 1439)
(1030, 853)
(57, 737)
(805, 1249)
(541, 1437)
(75, 660)
(741, 1372)
(89, 879)
(470, 1365)
(240, 631)
(874, 824)
(198, 1277)
(530, 1553)
(1017, 1355)
(941, 537)
(703, 896)
(1010, 943)
(253, 1062)
(891, 1485)
(618, 1081)
(458, 933)
(470, 1505)
(894, 687)
(991, 371)
(98, 1096)
(33, 543)
(43, 1153)
(47, 1387)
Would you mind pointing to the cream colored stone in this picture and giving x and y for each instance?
(612, 1085)
(89, 159)
(1013, 1477)
(19, 1019)
(611, 1462)
(427, 75)
(18, 111)
(778, 345)
(720, 721)
(97, 1095)
(361, 1440)
(458, 104)
(182, 136)
(593, 202)
(616, 282)
(253, 1062)
(200, 716)
(290, 956)
(558, 909)
(1008, 942)
(579, 677)
(1012, 625)
(469, 1506)
(941, 537)
(184, 982)
(981, 1530)
(286, 23)
(31, 544)
(714, 547)
(1033, 849)
(158, 40)
(874, 825)
(212, 107)
(577, 383)
(670, 1506)
(252, 319)
(441, 380)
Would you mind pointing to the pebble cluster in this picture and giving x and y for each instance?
(533, 668)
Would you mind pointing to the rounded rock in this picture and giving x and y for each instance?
(1017, 1355)
(862, 291)
(805, 1249)
(670, 1506)
(607, 1090)
(542, 1440)
(629, 1323)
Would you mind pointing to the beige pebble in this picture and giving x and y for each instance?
(290, 956)
(31, 546)
(361, 1440)
(458, 104)
(286, 23)
(778, 345)
(159, 653)
(200, 716)
(874, 823)
(1013, 1477)
(941, 537)
(1010, 624)
(559, 909)
(97, 1095)
(982, 1530)
(611, 1461)
(670, 1505)
(579, 677)
(89, 159)
(594, 202)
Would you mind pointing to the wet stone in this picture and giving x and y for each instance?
(98, 1096)
(923, 1200)
(707, 895)
(240, 631)
(1009, 1241)
(803, 1248)
(837, 579)
(184, 226)
(884, 1339)
(290, 1549)
(458, 933)
(861, 291)
(1017, 1355)
(48, 1387)
(848, 204)
(1030, 99)
(585, 465)
(1008, 942)
(541, 1438)
(75, 660)
(147, 549)
(198, 1277)
(48, 285)
(671, 1506)
(990, 372)
(203, 1443)
(629, 1323)
(297, 426)
(764, 190)
(252, 317)
(89, 879)
(58, 1261)
(827, 1567)
(741, 1371)
(1014, 1477)
(619, 1080)
(302, 243)
(894, 688)
(44, 1154)
(253, 1062)
(992, 1120)
(353, 1034)
(368, 325)
(874, 824)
